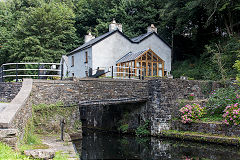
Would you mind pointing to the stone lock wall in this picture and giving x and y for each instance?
(164, 95)
(207, 127)
(8, 90)
(15, 116)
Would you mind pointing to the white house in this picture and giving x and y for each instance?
(108, 49)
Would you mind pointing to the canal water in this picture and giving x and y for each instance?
(100, 145)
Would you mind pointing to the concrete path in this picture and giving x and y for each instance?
(65, 147)
(2, 106)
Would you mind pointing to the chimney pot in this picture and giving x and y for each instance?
(114, 26)
(152, 28)
(88, 37)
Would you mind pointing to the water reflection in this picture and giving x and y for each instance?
(98, 145)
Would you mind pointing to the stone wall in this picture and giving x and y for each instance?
(207, 127)
(164, 96)
(8, 90)
(15, 116)
(71, 92)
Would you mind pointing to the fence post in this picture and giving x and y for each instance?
(112, 72)
(2, 73)
(16, 72)
(62, 123)
(38, 70)
(62, 69)
(129, 73)
(139, 74)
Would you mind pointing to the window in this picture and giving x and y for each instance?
(86, 56)
(72, 61)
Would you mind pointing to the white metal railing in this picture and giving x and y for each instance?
(120, 72)
(31, 69)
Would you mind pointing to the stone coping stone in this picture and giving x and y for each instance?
(2, 106)
(8, 114)
(218, 128)
(201, 137)
(89, 79)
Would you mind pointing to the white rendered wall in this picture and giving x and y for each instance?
(106, 52)
(158, 46)
(80, 67)
(111, 49)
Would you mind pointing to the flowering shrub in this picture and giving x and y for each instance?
(191, 96)
(191, 112)
(232, 114)
(221, 98)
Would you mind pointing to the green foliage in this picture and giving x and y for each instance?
(124, 141)
(191, 97)
(44, 114)
(43, 30)
(216, 63)
(123, 123)
(61, 156)
(191, 112)
(206, 87)
(143, 130)
(30, 137)
(211, 118)
(221, 98)
(123, 128)
(6, 152)
(142, 140)
(232, 114)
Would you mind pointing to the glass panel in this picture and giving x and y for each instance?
(159, 65)
(160, 72)
(144, 68)
(149, 69)
(144, 57)
(154, 58)
(144, 64)
(149, 56)
(154, 69)
(144, 72)
(138, 64)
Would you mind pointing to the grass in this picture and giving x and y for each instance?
(4, 102)
(60, 156)
(7, 153)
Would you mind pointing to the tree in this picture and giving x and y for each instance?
(45, 34)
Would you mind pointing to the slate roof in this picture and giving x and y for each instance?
(93, 41)
(100, 38)
(141, 37)
(131, 56)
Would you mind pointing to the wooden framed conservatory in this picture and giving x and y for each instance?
(144, 63)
